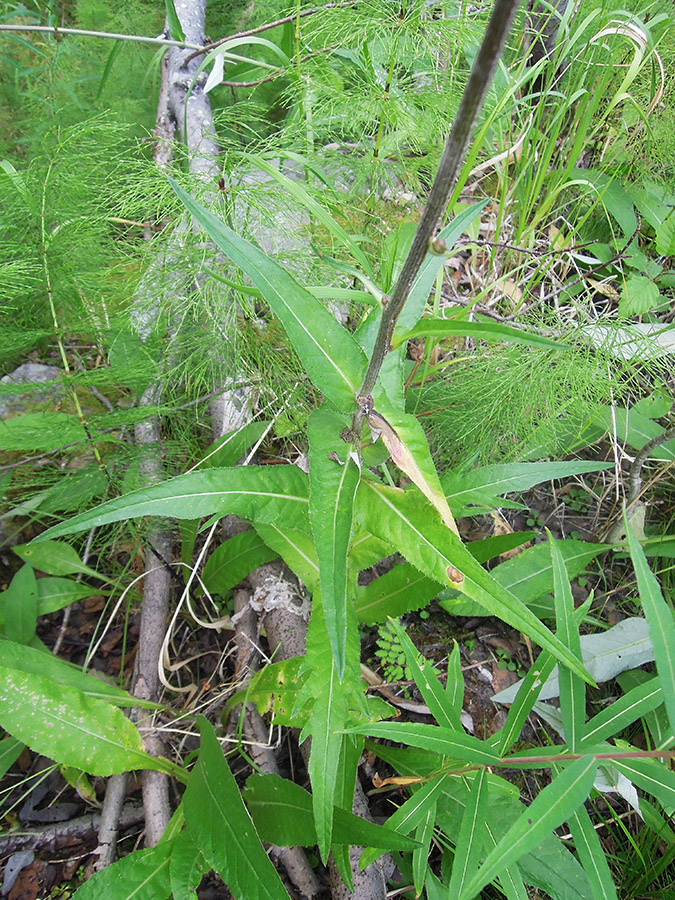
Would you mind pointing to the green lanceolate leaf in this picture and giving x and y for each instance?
(221, 827)
(20, 606)
(295, 547)
(395, 593)
(327, 720)
(74, 729)
(272, 494)
(187, 868)
(591, 853)
(444, 711)
(572, 690)
(143, 875)
(468, 849)
(54, 558)
(485, 485)
(642, 699)
(438, 739)
(660, 620)
(554, 805)
(410, 815)
(282, 812)
(331, 356)
(487, 331)
(419, 293)
(38, 662)
(413, 528)
(332, 488)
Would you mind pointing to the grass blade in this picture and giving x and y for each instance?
(660, 620)
(554, 805)
(469, 845)
(572, 691)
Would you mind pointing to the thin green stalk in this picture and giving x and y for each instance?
(106, 35)
(483, 70)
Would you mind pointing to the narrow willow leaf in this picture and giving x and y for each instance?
(409, 526)
(143, 875)
(63, 723)
(175, 28)
(485, 331)
(420, 860)
(269, 494)
(446, 741)
(331, 356)
(525, 699)
(233, 560)
(410, 815)
(332, 488)
(442, 709)
(38, 662)
(660, 620)
(572, 690)
(20, 606)
(623, 712)
(652, 776)
(552, 806)
(591, 853)
(187, 867)
(221, 827)
(469, 846)
(282, 812)
(485, 485)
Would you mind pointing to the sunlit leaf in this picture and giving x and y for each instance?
(63, 723)
(268, 494)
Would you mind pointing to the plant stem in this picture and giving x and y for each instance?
(301, 14)
(456, 145)
(107, 35)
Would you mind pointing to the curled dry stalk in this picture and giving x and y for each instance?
(483, 70)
